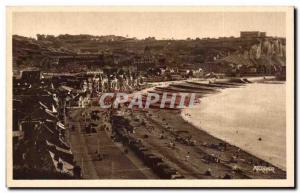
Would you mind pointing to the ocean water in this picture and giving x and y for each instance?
(240, 116)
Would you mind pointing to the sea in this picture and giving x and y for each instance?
(251, 117)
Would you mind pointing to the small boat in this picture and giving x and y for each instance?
(170, 94)
(178, 90)
(230, 84)
(208, 84)
(200, 88)
(247, 81)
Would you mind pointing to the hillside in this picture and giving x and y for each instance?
(116, 50)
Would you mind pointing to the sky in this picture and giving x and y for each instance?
(180, 25)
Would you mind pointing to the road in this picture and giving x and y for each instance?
(115, 163)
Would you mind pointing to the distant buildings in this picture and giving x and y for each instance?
(145, 61)
(149, 58)
(89, 51)
(252, 34)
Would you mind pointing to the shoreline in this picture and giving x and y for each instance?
(207, 144)
(192, 152)
(200, 127)
(226, 135)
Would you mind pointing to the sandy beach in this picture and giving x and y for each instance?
(193, 143)
(232, 161)
(195, 153)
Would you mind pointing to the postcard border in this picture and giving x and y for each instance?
(253, 183)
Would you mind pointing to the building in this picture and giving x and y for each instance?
(88, 51)
(77, 62)
(252, 34)
(145, 61)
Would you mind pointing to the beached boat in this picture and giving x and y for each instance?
(230, 84)
(208, 84)
(190, 86)
(179, 90)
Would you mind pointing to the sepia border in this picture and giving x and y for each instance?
(289, 182)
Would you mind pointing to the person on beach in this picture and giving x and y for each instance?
(77, 171)
(60, 165)
(172, 144)
(187, 157)
(99, 156)
(208, 172)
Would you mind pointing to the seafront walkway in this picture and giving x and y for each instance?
(97, 154)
